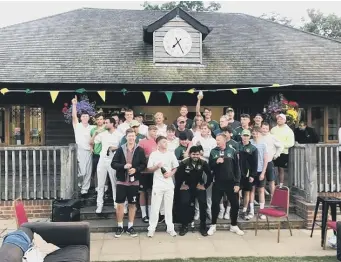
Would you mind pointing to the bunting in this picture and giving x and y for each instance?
(102, 95)
(54, 95)
(4, 91)
(191, 91)
(146, 96)
(234, 91)
(254, 89)
(169, 95)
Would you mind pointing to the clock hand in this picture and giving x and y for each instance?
(181, 48)
(177, 42)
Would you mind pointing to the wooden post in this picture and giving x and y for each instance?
(66, 174)
(310, 174)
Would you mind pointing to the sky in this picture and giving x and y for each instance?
(13, 12)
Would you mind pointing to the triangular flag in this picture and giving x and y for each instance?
(255, 89)
(4, 90)
(124, 91)
(146, 95)
(169, 95)
(80, 90)
(54, 95)
(102, 95)
(191, 91)
(234, 91)
(276, 85)
(29, 91)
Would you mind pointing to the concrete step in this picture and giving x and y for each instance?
(109, 225)
(88, 212)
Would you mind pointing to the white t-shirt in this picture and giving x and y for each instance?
(169, 162)
(172, 144)
(143, 129)
(161, 131)
(207, 144)
(108, 139)
(122, 128)
(82, 135)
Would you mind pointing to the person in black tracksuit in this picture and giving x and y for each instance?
(224, 164)
(189, 185)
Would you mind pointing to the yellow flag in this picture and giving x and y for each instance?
(276, 85)
(4, 90)
(191, 91)
(146, 96)
(234, 91)
(102, 95)
(54, 95)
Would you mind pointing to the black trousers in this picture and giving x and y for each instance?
(95, 159)
(186, 203)
(218, 191)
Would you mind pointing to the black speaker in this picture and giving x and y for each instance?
(66, 210)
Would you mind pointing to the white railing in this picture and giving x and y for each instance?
(314, 168)
(38, 172)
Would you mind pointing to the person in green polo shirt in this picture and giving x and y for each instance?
(245, 125)
(97, 147)
(134, 124)
(181, 152)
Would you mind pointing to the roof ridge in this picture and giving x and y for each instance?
(294, 28)
(41, 18)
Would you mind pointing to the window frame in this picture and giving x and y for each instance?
(7, 113)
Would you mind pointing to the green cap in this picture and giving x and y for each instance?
(246, 132)
(134, 123)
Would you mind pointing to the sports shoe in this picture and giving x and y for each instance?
(203, 231)
(131, 231)
(183, 230)
(262, 217)
(251, 215)
(244, 216)
(212, 230)
(235, 229)
(145, 219)
(172, 233)
(119, 232)
(196, 215)
(150, 233)
(227, 215)
(221, 214)
(99, 209)
(161, 219)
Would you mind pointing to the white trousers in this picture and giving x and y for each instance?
(208, 199)
(84, 158)
(104, 168)
(159, 195)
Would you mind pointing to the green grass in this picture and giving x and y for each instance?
(250, 259)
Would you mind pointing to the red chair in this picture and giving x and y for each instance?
(279, 208)
(20, 213)
(332, 225)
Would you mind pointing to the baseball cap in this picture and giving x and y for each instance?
(282, 116)
(229, 109)
(246, 132)
(134, 123)
(140, 114)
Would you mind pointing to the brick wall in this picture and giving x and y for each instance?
(33, 208)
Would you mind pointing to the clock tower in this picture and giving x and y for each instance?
(177, 39)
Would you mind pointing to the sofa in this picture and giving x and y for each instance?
(73, 239)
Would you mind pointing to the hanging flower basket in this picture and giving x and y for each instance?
(83, 105)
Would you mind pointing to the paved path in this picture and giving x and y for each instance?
(104, 247)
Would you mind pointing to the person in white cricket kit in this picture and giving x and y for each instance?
(110, 140)
(84, 153)
(163, 164)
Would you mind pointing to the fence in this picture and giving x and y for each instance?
(314, 168)
(41, 172)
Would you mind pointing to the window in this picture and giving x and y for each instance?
(317, 121)
(21, 125)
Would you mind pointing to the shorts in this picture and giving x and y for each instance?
(245, 184)
(126, 192)
(146, 182)
(258, 183)
(282, 161)
(270, 174)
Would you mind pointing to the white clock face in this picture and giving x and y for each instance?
(177, 42)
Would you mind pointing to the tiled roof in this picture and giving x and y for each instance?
(106, 46)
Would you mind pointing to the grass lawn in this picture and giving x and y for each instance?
(250, 259)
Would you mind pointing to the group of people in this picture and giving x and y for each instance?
(184, 171)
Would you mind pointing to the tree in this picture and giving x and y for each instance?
(189, 6)
(276, 17)
(324, 25)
